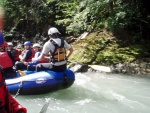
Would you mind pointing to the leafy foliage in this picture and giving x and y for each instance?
(74, 17)
(128, 20)
(99, 48)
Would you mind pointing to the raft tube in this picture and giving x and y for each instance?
(40, 82)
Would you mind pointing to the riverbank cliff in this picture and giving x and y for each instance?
(104, 52)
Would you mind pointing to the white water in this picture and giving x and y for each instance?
(96, 93)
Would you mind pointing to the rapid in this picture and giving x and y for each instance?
(95, 93)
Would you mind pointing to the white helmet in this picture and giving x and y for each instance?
(36, 45)
(10, 44)
(53, 30)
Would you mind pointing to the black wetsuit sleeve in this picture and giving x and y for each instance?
(28, 54)
(12, 58)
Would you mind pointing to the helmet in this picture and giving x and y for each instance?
(36, 45)
(10, 44)
(27, 43)
(4, 44)
(53, 30)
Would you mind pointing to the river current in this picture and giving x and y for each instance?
(95, 93)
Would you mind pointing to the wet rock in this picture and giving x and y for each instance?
(140, 68)
(79, 68)
(101, 68)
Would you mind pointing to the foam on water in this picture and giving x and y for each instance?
(97, 93)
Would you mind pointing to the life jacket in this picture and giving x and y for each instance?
(30, 58)
(2, 90)
(7, 103)
(19, 51)
(5, 60)
(44, 60)
(16, 57)
(59, 53)
(14, 106)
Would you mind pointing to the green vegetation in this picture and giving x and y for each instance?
(102, 48)
(125, 25)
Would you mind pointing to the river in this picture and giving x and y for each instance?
(95, 93)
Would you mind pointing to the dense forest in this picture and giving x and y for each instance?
(128, 20)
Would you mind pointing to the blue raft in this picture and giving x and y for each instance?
(40, 82)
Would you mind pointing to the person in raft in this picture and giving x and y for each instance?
(7, 61)
(57, 48)
(15, 52)
(31, 65)
(7, 103)
(26, 56)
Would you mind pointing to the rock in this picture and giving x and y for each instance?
(83, 35)
(79, 68)
(101, 68)
(142, 69)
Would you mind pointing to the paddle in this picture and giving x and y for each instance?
(22, 73)
(44, 108)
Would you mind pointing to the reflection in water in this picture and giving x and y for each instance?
(97, 93)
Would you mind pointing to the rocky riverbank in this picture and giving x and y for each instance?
(102, 51)
(98, 51)
(140, 68)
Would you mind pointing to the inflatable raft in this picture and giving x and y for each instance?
(40, 82)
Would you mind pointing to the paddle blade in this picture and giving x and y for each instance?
(44, 108)
(22, 73)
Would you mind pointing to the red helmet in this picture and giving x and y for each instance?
(4, 44)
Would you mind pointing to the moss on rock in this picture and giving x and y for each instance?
(103, 48)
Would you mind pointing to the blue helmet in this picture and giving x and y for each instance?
(27, 43)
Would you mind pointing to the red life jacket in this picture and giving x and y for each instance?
(2, 91)
(30, 58)
(5, 60)
(7, 103)
(45, 60)
(14, 106)
(16, 57)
